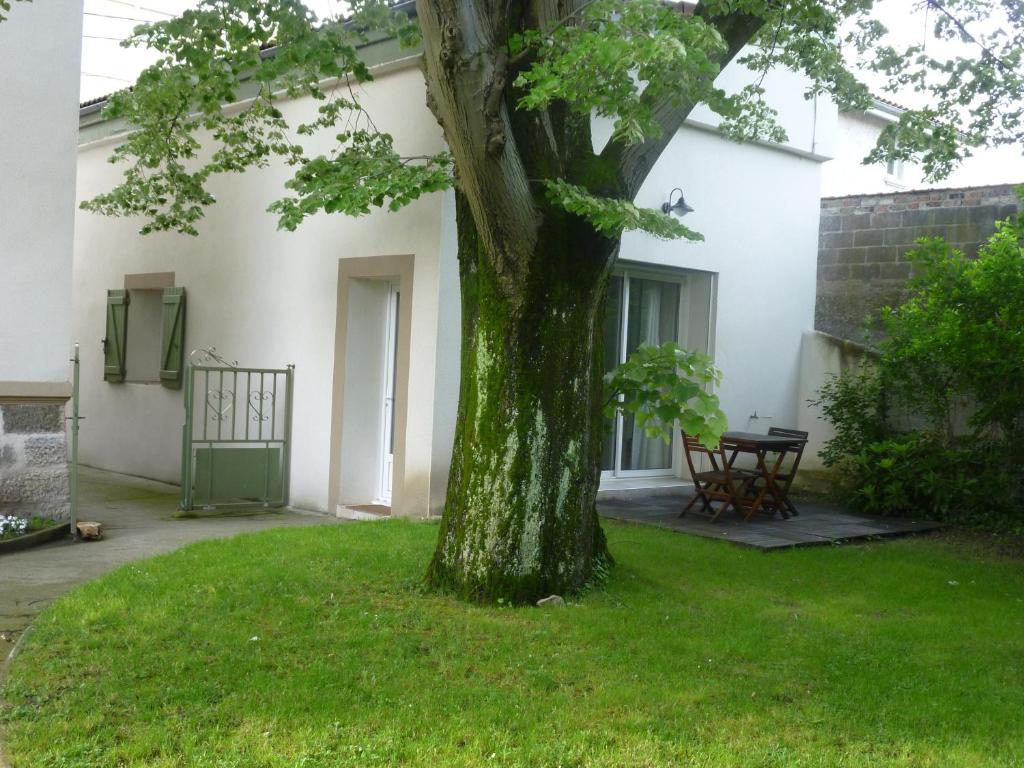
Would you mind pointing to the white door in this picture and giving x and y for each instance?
(387, 437)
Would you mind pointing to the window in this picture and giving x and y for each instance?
(894, 173)
(150, 348)
(650, 307)
(142, 348)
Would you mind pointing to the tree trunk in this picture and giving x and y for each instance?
(520, 519)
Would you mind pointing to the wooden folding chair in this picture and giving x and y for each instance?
(720, 483)
(784, 478)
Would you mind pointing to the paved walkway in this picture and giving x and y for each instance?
(138, 519)
(815, 524)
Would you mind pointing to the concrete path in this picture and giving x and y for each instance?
(138, 519)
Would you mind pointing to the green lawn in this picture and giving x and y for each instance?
(315, 647)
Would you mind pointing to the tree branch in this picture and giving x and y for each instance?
(986, 51)
(635, 161)
(466, 70)
(528, 52)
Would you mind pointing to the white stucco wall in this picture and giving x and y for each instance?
(261, 296)
(846, 174)
(810, 124)
(758, 211)
(757, 206)
(856, 135)
(267, 298)
(448, 356)
(40, 53)
(822, 357)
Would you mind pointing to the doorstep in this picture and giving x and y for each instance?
(363, 512)
(626, 488)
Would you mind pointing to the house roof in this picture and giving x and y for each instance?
(889, 109)
(881, 103)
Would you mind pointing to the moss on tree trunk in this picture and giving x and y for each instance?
(520, 518)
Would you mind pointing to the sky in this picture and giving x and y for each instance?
(106, 67)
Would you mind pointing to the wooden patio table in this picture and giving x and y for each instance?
(752, 443)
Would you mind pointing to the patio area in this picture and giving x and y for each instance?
(815, 525)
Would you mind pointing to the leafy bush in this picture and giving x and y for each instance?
(908, 475)
(912, 475)
(11, 526)
(954, 351)
(667, 385)
(854, 404)
(951, 369)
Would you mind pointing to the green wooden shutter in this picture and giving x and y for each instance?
(117, 336)
(172, 338)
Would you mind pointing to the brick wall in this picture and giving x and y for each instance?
(863, 241)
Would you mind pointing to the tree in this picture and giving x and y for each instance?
(514, 85)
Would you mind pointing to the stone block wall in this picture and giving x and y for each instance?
(863, 241)
(33, 460)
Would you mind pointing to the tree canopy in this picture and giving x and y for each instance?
(642, 64)
(515, 85)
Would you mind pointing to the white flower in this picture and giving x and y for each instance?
(12, 526)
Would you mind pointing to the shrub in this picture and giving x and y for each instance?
(954, 351)
(907, 475)
(11, 527)
(951, 369)
(912, 475)
(854, 404)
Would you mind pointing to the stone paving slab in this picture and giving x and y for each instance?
(815, 525)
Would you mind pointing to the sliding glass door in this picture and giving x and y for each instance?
(646, 308)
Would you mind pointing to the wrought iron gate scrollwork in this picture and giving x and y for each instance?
(236, 439)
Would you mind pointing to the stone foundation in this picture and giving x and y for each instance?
(33, 460)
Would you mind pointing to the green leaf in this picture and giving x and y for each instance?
(659, 386)
(612, 216)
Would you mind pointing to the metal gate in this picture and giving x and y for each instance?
(236, 440)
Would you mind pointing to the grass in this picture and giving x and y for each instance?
(315, 647)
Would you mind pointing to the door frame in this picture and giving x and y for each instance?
(644, 271)
(400, 270)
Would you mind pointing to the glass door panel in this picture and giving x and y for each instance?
(640, 311)
(652, 318)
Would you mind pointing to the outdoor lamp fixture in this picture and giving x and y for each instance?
(679, 207)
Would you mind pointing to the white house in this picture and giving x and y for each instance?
(367, 309)
(40, 52)
(856, 135)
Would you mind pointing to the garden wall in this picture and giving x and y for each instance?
(863, 241)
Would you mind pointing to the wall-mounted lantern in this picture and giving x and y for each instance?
(679, 207)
